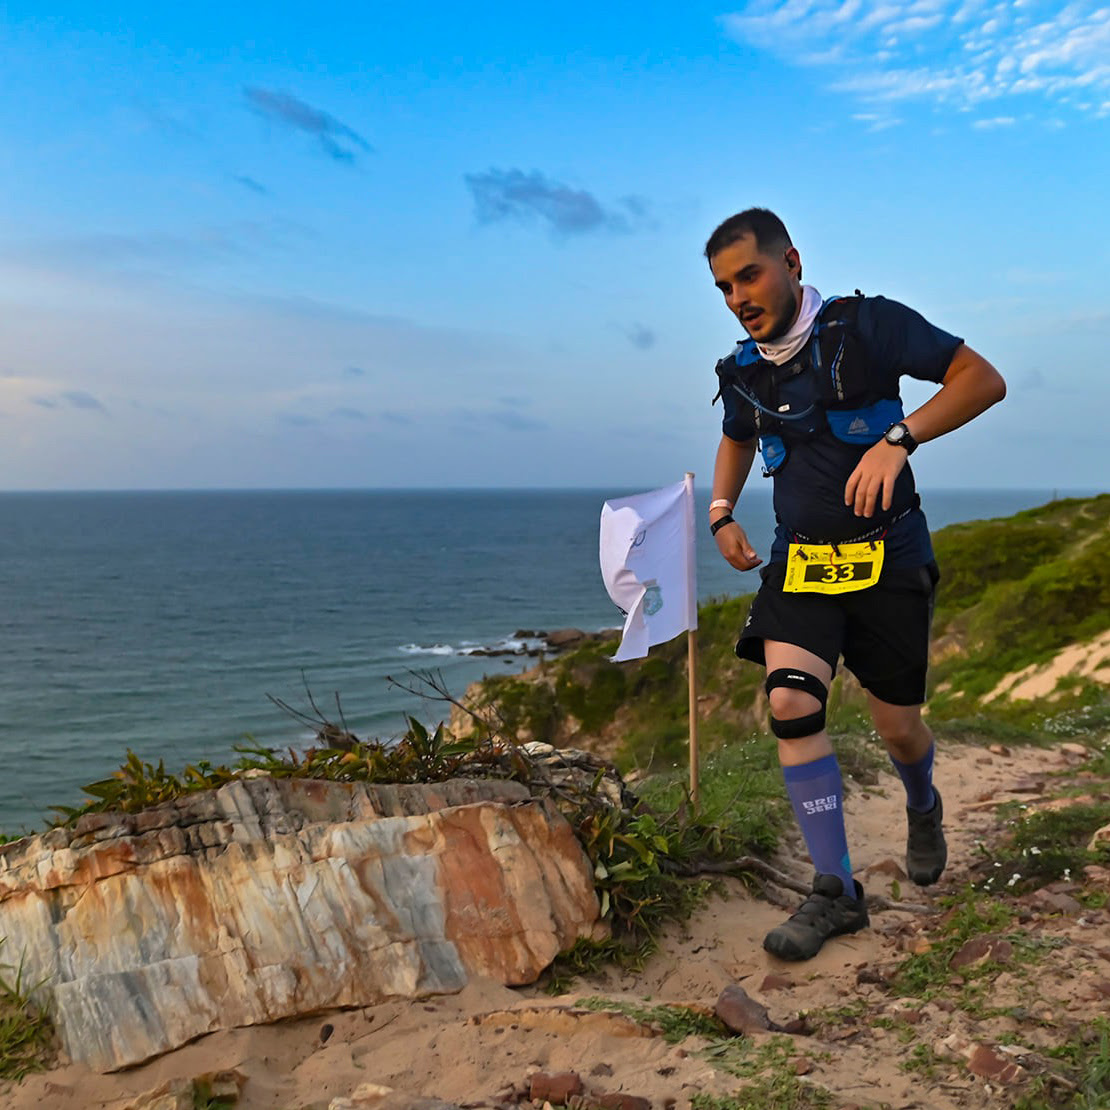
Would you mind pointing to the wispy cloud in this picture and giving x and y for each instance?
(957, 53)
(167, 121)
(514, 195)
(250, 183)
(336, 139)
(79, 399)
(877, 121)
(297, 419)
(99, 249)
(145, 251)
(509, 418)
(72, 398)
(642, 338)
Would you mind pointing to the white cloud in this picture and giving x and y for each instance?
(875, 121)
(954, 53)
(998, 121)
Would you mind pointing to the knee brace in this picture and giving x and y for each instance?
(796, 727)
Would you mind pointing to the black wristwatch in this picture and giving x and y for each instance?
(900, 436)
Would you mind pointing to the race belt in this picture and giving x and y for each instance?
(827, 568)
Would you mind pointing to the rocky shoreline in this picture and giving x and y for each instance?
(536, 644)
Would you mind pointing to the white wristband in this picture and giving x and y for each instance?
(720, 503)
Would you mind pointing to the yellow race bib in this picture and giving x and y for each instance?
(821, 568)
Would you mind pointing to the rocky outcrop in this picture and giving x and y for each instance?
(271, 898)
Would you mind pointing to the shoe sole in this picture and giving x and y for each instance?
(787, 949)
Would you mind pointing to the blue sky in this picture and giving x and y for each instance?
(448, 246)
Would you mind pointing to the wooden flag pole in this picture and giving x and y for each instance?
(692, 667)
(692, 640)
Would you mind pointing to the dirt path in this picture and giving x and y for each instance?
(864, 1043)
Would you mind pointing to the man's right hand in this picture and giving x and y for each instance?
(732, 543)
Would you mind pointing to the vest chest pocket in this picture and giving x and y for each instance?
(867, 425)
(795, 400)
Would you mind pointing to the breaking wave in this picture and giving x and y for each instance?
(509, 645)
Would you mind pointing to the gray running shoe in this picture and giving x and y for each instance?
(926, 851)
(827, 912)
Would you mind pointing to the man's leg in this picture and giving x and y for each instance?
(816, 790)
(809, 766)
(909, 742)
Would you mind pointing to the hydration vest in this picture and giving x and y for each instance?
(826, 387)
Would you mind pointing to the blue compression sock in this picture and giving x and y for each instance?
(917, 778)
(817, 792)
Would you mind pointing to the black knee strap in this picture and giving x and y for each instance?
(796, 727)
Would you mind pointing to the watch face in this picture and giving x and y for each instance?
(895, 433)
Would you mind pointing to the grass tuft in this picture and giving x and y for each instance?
(26, 1035)
(772, 1083)
(1087, 1062)
(675, 1022)
(925, 975)
(1049, 845)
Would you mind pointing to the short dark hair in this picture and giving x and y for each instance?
(769, 231)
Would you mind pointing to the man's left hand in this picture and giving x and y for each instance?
(874, 477)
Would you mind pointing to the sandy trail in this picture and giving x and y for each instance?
(479, 1046)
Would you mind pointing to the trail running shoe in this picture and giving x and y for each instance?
(827, 912)
(926, 851)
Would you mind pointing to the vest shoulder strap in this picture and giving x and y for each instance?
(743, 355)
(839, 352)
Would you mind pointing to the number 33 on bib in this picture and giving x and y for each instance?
(822, 568)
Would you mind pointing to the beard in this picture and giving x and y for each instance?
(781, 317)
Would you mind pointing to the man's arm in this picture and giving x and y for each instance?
(970, 386)
(730, 472)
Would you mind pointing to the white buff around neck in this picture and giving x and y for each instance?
(784, 349)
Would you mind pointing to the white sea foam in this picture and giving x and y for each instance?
(508, 645)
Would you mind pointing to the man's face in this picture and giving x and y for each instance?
(763, 291)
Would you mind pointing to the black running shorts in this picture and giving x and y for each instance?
(882, 633)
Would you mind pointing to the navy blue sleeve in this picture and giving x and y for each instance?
(901, 341)
(736, 424)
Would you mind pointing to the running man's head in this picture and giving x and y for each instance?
(758, 271)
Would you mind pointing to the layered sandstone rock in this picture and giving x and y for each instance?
(271, 898)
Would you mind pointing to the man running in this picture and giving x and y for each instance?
(851, 573)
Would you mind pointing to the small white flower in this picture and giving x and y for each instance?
(1034, 851)
(1013, 879)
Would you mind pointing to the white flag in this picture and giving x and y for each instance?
(647, 562)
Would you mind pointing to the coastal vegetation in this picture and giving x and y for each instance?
(26, 1035)
(1013, 595)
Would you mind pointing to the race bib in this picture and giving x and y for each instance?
(821, 568)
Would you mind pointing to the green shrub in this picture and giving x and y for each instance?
(983, 552)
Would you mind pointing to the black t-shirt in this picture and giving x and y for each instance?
(809, 489)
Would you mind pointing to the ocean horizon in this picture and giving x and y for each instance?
(161, 621)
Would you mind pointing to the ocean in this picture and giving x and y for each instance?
(160, 622)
